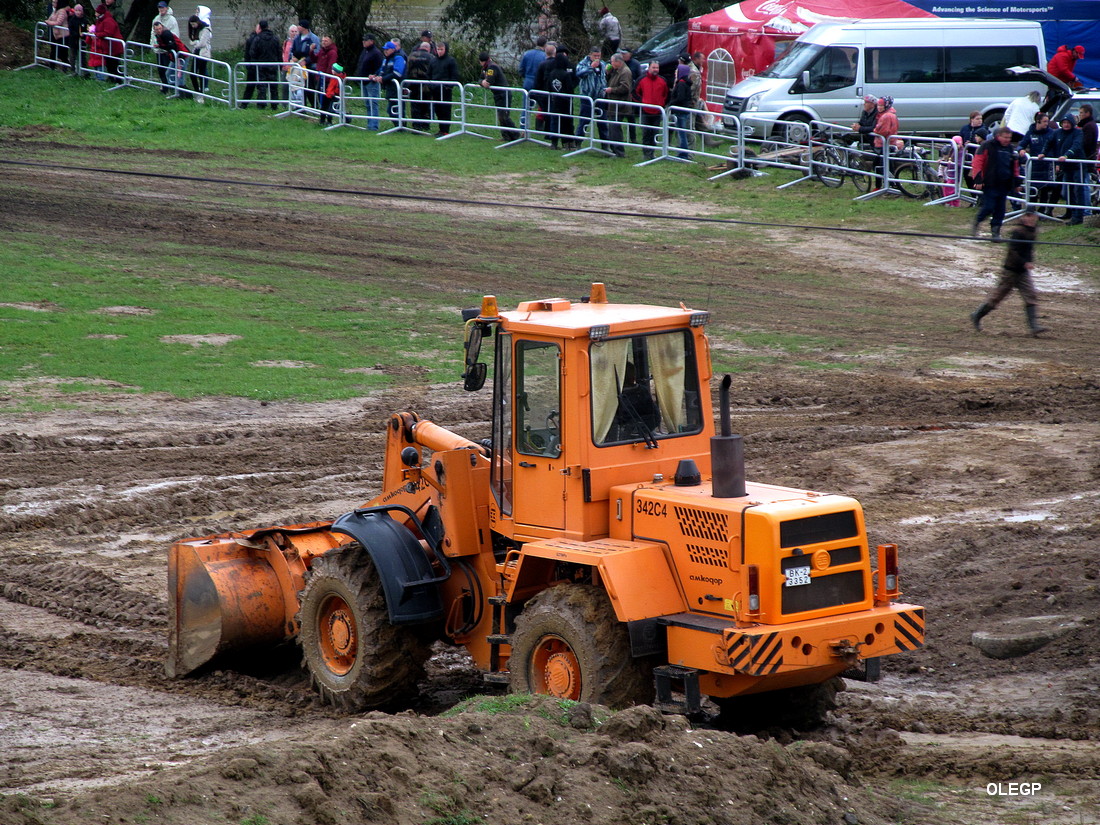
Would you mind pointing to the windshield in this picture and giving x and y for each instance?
(794, 62)
(672, 38)
(644, 388)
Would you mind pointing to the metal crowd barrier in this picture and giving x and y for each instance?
(932, 168)
(306, 97)
(483, 114)
(247, 84)
(1072, 183)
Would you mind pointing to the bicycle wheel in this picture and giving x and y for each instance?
(863, 180)
(830, 167)
(909, 179)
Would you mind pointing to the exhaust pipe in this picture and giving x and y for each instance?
(727, 452)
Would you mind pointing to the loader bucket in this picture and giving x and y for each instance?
(224, 597)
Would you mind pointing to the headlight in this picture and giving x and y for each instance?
(753, 103)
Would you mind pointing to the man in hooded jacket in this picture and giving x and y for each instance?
(561, 80)
(167, 19)
(1068, 150)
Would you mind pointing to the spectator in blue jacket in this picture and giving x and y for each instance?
(1037, 144)
(390, 75)
(529, 68)
(590, 71)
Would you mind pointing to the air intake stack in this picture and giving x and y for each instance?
(727, 452)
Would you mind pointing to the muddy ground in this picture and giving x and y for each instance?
(977, 454)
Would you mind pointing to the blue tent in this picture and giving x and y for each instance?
(1065, 22)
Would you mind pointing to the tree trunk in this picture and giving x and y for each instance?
(574, 35)
(138, 23)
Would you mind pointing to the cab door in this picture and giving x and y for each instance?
(538, 491)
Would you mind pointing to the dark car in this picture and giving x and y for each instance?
(665, 47)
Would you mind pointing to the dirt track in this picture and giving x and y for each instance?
(984, 468)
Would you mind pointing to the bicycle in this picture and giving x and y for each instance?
(913, 174)
(798, 147)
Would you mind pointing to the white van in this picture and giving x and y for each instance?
(938, 71)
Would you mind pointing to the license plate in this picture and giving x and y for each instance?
(797, 576)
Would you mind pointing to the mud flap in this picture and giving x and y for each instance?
(408, 581)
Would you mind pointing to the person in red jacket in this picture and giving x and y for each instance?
(108, 39)
(176, 53)
(332, 93)
(325, 59)
(1061, 65)
(651, 91)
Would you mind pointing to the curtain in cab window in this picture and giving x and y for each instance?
(669, 361)
(608, 359)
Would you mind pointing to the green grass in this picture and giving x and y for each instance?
(284, 318)
(515, 704)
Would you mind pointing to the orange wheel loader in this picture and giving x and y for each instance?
(602, 544)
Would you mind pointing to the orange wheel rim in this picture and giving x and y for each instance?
(337, 635)
(557, 670)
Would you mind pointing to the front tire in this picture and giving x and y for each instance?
(909, 179)
(832, 172)
(569, 644)
(356, 658)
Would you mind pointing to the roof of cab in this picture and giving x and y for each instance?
(559, 317)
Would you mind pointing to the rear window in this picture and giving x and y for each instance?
(917, 64)
(987, 64)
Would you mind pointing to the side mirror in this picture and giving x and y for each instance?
(473, 378)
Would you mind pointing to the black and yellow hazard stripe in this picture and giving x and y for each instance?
(756, 655)
(909, 629)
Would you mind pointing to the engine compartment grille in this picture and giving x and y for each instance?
(703, 524)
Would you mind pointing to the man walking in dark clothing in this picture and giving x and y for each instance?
(996, 173)
(1016, 275)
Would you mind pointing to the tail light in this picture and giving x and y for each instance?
(754, 589)
(887, 573)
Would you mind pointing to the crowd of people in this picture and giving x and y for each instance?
(560, 95)
(638, 96)
(101, 38)
(1062, 156)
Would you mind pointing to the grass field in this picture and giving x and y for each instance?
(149, 285)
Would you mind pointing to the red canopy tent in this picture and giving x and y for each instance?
(740, 40)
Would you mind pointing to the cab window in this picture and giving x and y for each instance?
(644, 388)
(538, 399)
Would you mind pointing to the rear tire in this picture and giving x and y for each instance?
(356, 658)
(862, 179)
(568, 643)
(909, 179)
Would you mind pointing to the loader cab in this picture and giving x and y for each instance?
(587, 395)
